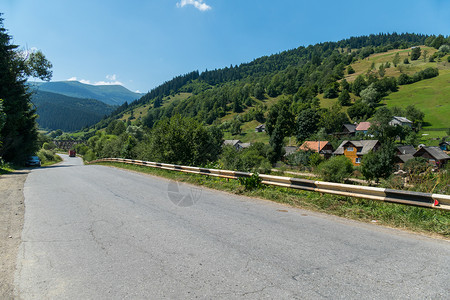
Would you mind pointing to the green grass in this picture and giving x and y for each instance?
(141, 111)
(6, 168)
(362, 66)
(423, 220)
(248, 134)
(56, 160)
(431, 138)
(430, 96)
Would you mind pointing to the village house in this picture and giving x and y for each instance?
(324, 148)
(236, 144)
(260, 128)
(403, 154)
(400, 121)
(355, 150)
(434, 154)
(406, 149)
(349, 129)
(363, 127)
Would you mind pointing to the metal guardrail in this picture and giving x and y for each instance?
(437, 201)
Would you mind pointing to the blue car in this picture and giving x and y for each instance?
(33, 161)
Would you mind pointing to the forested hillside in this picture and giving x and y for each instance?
(57, 111)
(306, 75)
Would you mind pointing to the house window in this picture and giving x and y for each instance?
(358, 160)
(350, 149)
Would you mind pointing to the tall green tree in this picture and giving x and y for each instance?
(307, 123)
(396, 59)
(415, 53)
(380, 164)
(358, 85)
(370, 95)
(344, 98)
(280, 115)
(19, 134)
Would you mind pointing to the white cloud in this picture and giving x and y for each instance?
(198, 4)
(108, 83)
(112, 80)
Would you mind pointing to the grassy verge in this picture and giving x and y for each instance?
(423, 220)
(56, 160)
(6, 168)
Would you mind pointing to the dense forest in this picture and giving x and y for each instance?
(57, 111)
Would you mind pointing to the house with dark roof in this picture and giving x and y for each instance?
(403, 154)
(401, 159)
(434, 155)
(349, 129)
(236, 144)
(260, 128)
(324, 148)
(355, 150)
(363, 127)
(406, 149)
(400, 121)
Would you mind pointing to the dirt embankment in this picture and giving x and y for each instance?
(12, 210)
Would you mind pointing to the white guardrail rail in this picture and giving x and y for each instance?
(437, 201)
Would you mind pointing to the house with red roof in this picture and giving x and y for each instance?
(324, 148)
(363, 127)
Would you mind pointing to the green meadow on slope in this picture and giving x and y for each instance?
(432, 96)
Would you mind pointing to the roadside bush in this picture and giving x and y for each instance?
(247, 160)
(252, 182)
(89, 156)
(49, 146)
(416, 165)
(299, 158)
(47, 156)
(315, 159)
(336, 169)
(81, 149)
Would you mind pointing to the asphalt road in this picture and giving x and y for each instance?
(94, 232)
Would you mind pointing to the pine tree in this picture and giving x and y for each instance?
(19, 134)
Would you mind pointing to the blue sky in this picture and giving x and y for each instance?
(142, 43)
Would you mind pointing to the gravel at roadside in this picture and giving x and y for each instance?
(12, 210)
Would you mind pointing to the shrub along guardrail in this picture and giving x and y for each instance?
(437, 201)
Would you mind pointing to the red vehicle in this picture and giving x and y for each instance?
(72, 153)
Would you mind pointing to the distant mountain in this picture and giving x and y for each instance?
(109, 94)
(58, 111)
